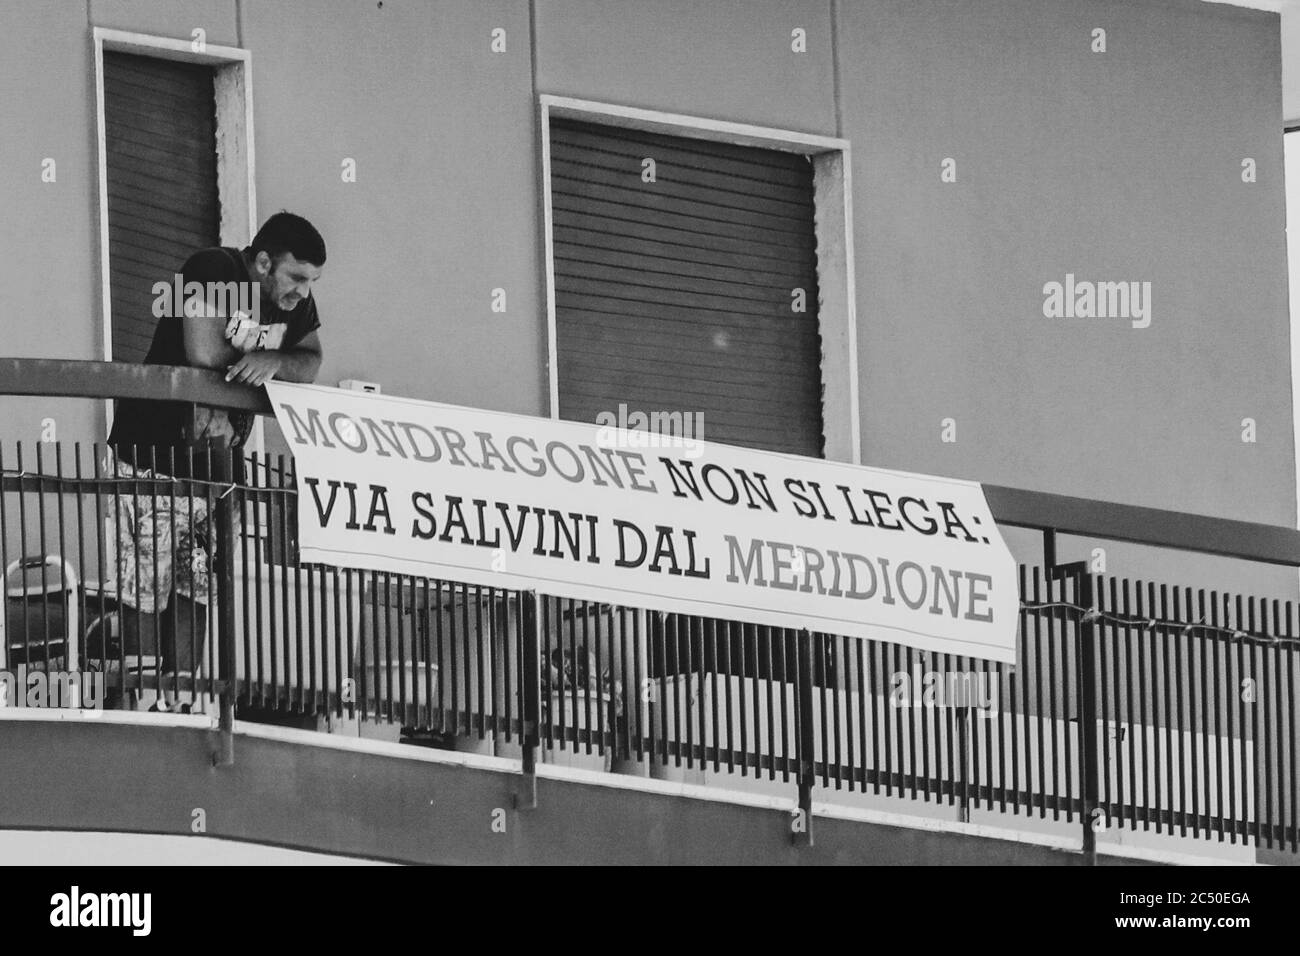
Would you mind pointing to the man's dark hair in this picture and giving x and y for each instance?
(285, 232)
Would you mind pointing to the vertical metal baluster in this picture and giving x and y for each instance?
(1199, 639)
(515, 700)
(593, 610)
(1233, 688)
(1145, 691)
(631, 687)
(1168, 696)
(68, 637)
(1021, 719)
(4, 551)
(281, 504)
(1103, 672)
(1055, 715)
(771, 706)
(340, 666)
(714, 738)
(42, 551)
(1188, 729)
(401, 612)
(481, 696)
(730, 640)
(102, 564)
(253, 661)
(747, 687)
(468, 655)
(300, 685)
(1044, 723)
(1242, 825)
(569, 694)
(315, 637)
(1122, 676)
(987, 720)
(664, 647)
(695, 722)
(156, 583)
(1215, 643)
(840, 680)
(858, 744)
(804, 724)
(640, 680)
(82, 613)
(694, 676)
(426, 649)
(1290, 657)
(957, 728)
(226, 508)
(952, 779)
(22, 555)
(788, 640)
(1248, 652)
(882, 722)
(1269, 625)
(589, 608)
(441, 598)
(494, 638)
(685, 679)
(454, 604)
(823, 666)
(244, 531)
(286, 626)
(488, 697)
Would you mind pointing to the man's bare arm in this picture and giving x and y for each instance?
(302, 362)
(204, 334)
(297, 364)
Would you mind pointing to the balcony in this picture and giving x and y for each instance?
(1138, 714)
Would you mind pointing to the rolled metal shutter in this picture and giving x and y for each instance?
(160, 134)
(678, 294)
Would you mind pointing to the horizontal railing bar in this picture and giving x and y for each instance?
(1018, 507)
(1155, 527)
(71, 378)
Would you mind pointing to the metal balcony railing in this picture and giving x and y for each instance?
(1132, 706)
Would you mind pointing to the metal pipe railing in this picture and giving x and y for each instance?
(1017, 507)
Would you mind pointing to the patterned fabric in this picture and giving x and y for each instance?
(162, 540)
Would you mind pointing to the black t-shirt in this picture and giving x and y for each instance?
(157, 429)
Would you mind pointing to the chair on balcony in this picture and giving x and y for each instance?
(40, 625)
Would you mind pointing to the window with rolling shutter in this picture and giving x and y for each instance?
(690, 290)
(161, 171)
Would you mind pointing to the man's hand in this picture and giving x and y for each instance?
(255, 368)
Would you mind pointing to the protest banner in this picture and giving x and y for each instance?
(623, 516)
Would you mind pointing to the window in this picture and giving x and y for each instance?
(160, 148)
(175, 169)
(700, 270)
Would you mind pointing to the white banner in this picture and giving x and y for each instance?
(632, 518)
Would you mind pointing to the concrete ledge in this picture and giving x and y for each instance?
(367, 799)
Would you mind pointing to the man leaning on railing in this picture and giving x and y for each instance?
(251, 314)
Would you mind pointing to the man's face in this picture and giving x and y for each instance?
(287, 280)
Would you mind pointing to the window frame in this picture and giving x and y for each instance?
(833, 219)
(236, 170)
